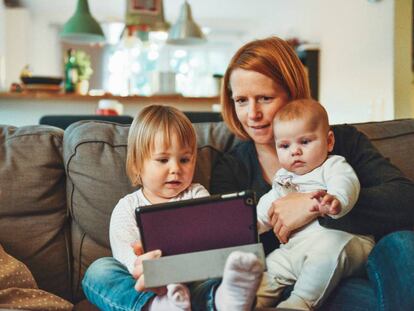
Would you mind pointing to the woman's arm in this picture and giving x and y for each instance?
(386, 200)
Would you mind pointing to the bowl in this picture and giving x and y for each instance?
(42, 80)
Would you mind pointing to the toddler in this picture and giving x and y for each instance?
(161, 159)
(314, 258)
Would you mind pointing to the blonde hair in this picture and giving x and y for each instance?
(150, 122)
(272, 57)
(308, 109)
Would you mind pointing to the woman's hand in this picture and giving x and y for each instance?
(292, 212)
(138, 272)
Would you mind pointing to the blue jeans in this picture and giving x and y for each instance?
(389, 286)
(109, 286)
(390, 280)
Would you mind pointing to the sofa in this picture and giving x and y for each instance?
(58, 189)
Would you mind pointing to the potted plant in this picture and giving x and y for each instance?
(83, 62)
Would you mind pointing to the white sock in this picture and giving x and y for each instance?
(241, 279)
(179, 295)
(176, 299)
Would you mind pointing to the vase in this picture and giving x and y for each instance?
(82, 87)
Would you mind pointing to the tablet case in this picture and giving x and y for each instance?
(192, 267)
(214, 222)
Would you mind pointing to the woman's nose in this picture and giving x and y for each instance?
(254, 111)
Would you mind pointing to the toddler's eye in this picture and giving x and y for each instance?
(162, 160)
(185, 160)
(284, 146)
(306, 141)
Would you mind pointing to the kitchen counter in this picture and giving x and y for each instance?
(28, 107)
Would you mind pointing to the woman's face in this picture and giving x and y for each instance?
(256, 98)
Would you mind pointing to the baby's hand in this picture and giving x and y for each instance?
(138, 272)
(328, 204)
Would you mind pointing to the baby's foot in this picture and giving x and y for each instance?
(241, 279)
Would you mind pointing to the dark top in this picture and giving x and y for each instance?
(385, 203)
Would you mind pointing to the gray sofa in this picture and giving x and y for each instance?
(58, 189)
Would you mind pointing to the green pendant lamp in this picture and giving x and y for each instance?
(82, 28)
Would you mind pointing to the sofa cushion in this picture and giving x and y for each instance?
(94, 157)
(33, 213)
(393, 139)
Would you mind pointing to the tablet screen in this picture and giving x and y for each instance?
(213, 222)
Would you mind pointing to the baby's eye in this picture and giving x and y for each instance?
(305, 141)
(284, 146)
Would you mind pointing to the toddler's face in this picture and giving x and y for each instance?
(300, 147)
(168, 171)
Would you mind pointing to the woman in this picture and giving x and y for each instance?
(265, 75)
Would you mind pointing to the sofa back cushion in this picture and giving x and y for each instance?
(394, 139)
(33, 215)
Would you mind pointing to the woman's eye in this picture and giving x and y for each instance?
(240, 101)
(266, 99)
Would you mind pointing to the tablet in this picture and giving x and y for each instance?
(213, 222)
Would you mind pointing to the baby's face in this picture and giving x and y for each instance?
(301, 147)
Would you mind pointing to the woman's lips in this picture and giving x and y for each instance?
(259, 127)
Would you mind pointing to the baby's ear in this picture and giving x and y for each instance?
(331, 140)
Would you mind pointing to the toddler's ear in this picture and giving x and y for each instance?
(331, 141)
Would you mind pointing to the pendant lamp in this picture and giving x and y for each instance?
(82, 28)
(185, 31)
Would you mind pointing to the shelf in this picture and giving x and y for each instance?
(174, 98)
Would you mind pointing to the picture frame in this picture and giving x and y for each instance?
(143, 12)
(144, 7)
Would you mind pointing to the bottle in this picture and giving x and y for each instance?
(71, 72)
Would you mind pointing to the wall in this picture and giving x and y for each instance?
(359, 72)
(403, 67)
(356, 43)
(17, 30)
(2, 48)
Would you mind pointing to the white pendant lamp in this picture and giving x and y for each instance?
(185, 31)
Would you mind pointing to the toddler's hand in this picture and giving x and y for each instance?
(138, 272)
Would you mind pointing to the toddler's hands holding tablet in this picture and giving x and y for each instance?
(138, 272)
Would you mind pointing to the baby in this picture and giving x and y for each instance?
(315, 258)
